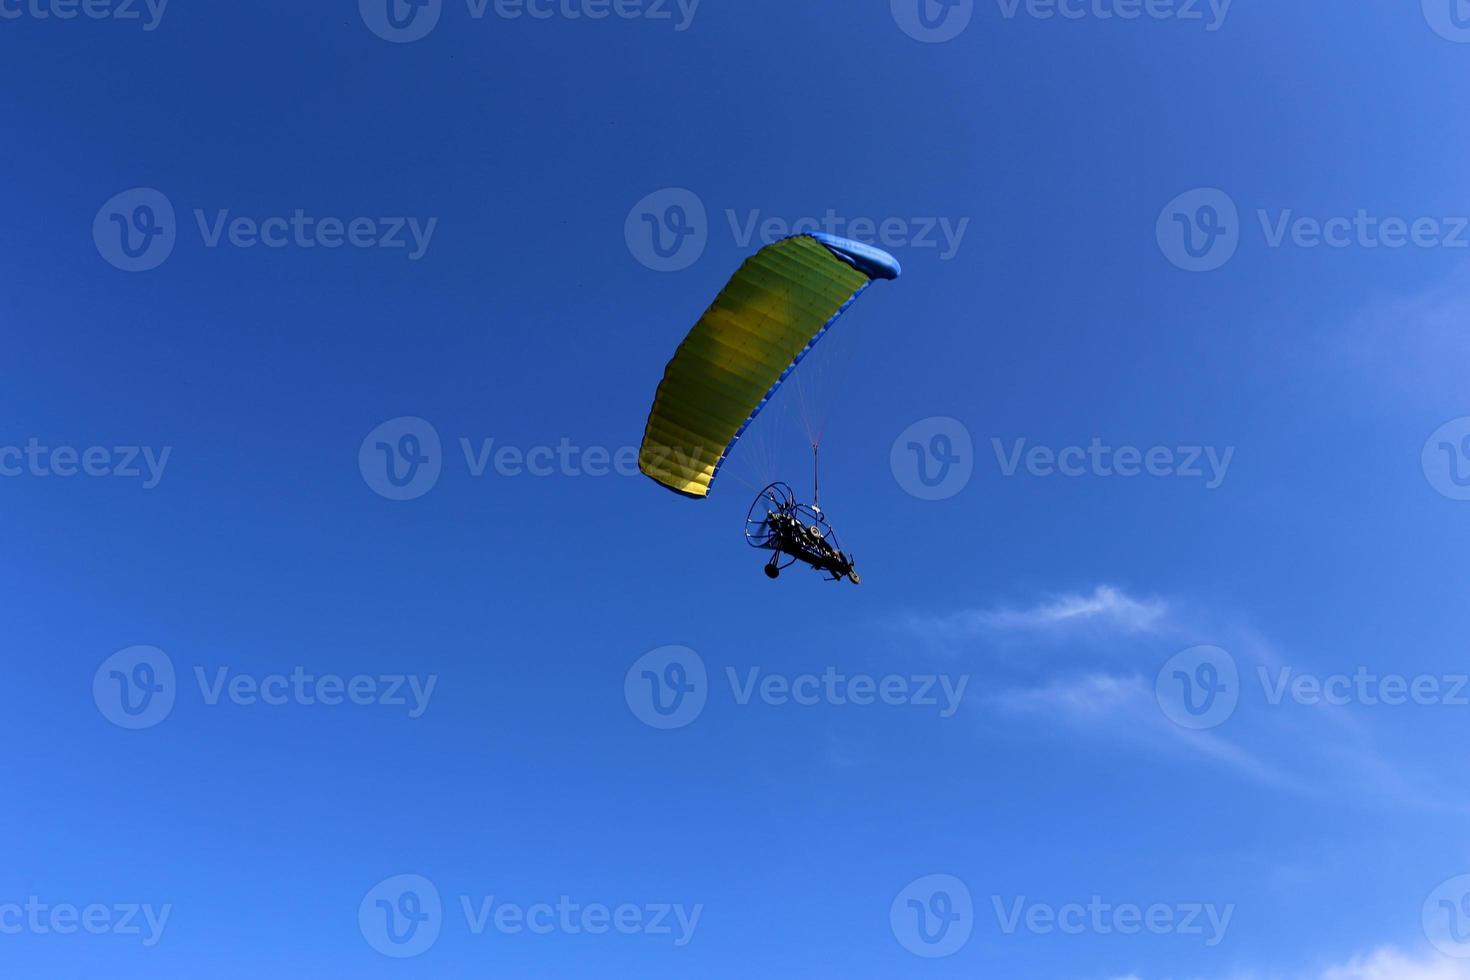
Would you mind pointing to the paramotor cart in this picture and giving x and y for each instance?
(792, 531)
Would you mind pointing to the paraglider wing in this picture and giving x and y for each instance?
(767, 318)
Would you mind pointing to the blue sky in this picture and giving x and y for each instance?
(1200, 721)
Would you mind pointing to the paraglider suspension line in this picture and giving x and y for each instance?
(816, 477)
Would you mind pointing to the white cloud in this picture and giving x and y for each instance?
(1391, 964)
(1106, 608)
(1094, 697)
(1414, 347)
(1383, 964)
(1105, 605)
(1124, 707)
(1103, 650)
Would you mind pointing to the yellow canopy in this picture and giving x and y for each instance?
(769, 315)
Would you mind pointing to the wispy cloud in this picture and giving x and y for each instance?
(1391, 964)
(1094, 697)
(1096, 666)
(1412, 346)
(1105, 608)
(1382, 964)
(1105, 605)
(1123, 707)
